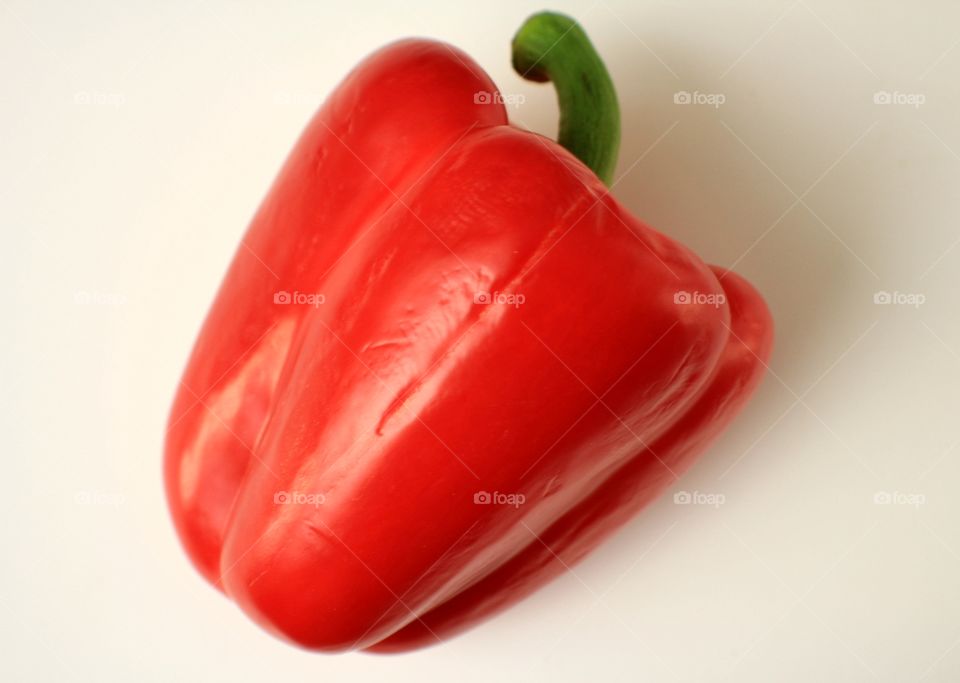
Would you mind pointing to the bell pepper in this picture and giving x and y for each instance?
(445, 363)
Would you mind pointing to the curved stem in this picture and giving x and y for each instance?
(553, 47)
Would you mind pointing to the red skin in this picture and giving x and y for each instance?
(399, 398)
(638, 482)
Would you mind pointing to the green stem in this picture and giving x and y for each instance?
(553, 47)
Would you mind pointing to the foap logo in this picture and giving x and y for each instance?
(88, 98)
(286, 98)
(93, 298)
(914, 500)
(99, 498)
(710, 99)
(910, 99)
(884, 298)
(285, 298)
(498, 498)
(684, 298)
(714, 500)
(298, 498)
(508, 99)
(483, 298)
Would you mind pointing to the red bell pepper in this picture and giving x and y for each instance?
(445, 363)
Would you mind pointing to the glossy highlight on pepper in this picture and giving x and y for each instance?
(445, 363)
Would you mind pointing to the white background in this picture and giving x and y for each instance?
(137, 140)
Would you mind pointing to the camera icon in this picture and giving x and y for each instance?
(882, 97)
(682, 297)
(682, 97)
(482, 97)
(482, 298)
(281, 298)
(882, 498)
(682, 498)
(882, 298)
(482, 498)
(281, 498)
